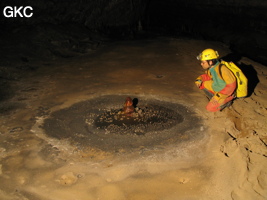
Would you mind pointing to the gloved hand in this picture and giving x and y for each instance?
(198, 83)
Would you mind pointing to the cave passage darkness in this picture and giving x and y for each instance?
(240, 24)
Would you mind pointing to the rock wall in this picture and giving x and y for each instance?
(240, 24)
(66, 28)
(101, 15)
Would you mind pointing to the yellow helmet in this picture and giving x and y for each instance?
(208, 54)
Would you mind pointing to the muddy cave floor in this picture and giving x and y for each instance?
(48, 152)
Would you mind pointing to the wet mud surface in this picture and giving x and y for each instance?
(100, 123)
(62, 136)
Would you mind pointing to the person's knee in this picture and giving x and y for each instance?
(211, 107)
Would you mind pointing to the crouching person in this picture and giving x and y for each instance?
(218, 82)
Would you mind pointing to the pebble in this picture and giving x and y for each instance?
(16, 129)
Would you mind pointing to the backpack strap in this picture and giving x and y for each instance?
(220, 70)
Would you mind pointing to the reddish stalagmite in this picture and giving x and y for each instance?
(128, 107)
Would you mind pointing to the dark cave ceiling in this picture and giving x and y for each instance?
(241, 24)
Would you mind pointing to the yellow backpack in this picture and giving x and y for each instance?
(241, 79)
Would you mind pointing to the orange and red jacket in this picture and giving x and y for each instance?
(219, 80)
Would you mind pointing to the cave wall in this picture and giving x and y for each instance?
(102, 16)
(194, 16)
(66, 28)
(181, 17)
(242, 24)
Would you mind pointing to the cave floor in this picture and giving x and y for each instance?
(224, 157)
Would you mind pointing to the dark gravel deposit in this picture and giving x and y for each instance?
(101, 123)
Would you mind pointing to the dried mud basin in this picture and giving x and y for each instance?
(99, 123)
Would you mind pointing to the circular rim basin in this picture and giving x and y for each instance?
(78, 124)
